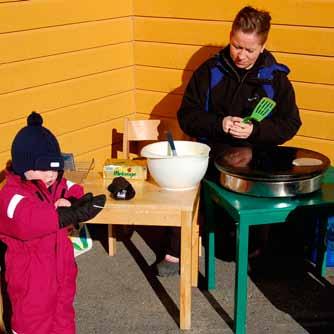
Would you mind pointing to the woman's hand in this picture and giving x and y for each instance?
(239, 129)
(227, 123)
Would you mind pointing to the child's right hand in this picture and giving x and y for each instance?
(85, 208)
(62, 202)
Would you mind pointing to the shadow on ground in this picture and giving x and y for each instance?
(281, 275)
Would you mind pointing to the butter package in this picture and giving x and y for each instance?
(129, 169)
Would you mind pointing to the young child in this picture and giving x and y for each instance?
(37, 206)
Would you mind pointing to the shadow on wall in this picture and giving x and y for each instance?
(166, 109)
(116, 143)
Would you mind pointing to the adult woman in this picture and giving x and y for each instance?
(240, 89)
(226, 88)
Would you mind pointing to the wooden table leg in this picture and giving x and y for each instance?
(241, 279)
(195, 244)
(210, 260)
(185, 271)
(111, 241)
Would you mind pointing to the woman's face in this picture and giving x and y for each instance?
(245, 48)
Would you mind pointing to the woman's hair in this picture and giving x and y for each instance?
(250, 20)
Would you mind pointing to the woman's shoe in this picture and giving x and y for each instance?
(166, 268)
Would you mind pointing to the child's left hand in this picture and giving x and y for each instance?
(62, 202)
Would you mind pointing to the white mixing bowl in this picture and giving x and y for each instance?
(181, 172)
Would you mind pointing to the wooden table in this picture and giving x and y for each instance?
(249, 211)
(154, 206)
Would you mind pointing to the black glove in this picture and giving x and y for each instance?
(67, 216)
(76, 202)
(90, 209)
(85, 208)
(120, 188)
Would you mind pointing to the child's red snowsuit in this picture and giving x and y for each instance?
(39, 260)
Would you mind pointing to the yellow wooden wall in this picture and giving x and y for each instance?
(86, 64)
(173, 37)
(72, 61)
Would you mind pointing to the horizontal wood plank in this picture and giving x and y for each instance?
(25, 15)
(306, 68)
(54, 40)
(46, 70)
(315, 69)
(174, 56)
(161, 79)
(317, 124)
(157, 104)
(90, 114)
(292, 39)
(310, 13)
(18, 105)
(315, 96)
(282, 38)
(90, 138)
(181, 31)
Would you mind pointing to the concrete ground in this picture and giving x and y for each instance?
(122, 294)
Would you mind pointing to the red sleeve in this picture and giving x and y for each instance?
(72, 189)
(26, 219)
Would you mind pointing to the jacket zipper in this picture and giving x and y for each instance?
(239, 80)
(239, 87)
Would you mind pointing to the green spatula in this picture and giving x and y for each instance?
(261, 110)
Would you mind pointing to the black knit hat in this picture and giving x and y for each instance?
(35, 148)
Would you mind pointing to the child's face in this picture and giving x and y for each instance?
(49, 177)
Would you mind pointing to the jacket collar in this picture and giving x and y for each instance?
(224, 61)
